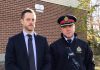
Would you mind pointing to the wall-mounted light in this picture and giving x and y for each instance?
(39, 8)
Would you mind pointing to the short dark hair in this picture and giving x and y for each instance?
(28, 10)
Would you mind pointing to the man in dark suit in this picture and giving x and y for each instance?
(69, 52)
(27, 50)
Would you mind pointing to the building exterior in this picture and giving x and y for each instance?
(46, 24)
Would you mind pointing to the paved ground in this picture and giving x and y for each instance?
(97, 62)
(2, 61)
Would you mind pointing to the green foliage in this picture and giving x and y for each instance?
(84, 4)
(92, 36)
(82, 25)
(84, 15)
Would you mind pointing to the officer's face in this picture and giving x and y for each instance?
(68, 30)
(28, 21)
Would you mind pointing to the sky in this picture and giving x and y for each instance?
(96, 12)
(93, 2)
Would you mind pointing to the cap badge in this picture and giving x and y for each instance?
(66, 18)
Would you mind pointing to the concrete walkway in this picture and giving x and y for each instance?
(2, 59)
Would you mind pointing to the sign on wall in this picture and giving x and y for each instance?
(39, 8)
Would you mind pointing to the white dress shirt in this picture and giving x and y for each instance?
(72, 38)
(34, 46)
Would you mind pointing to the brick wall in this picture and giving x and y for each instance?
(46, 22)
(10, 18)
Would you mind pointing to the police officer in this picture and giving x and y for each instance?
(69, 52)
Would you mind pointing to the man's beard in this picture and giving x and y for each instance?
(29, 29)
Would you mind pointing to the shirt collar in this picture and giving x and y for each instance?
(25, 33)
(72, 38)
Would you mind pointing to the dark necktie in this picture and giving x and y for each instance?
(69, 42)
(31, 53)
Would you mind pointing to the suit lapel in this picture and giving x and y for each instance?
(38, 51)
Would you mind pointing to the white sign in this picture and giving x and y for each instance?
(39, 8)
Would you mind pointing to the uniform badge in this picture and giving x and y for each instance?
(79, 50)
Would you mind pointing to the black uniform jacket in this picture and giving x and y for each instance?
(61, 61)
(16, 57)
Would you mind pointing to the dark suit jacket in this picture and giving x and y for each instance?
(16, 57)
(60, 60)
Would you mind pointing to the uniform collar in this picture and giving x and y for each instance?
(73, 37)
